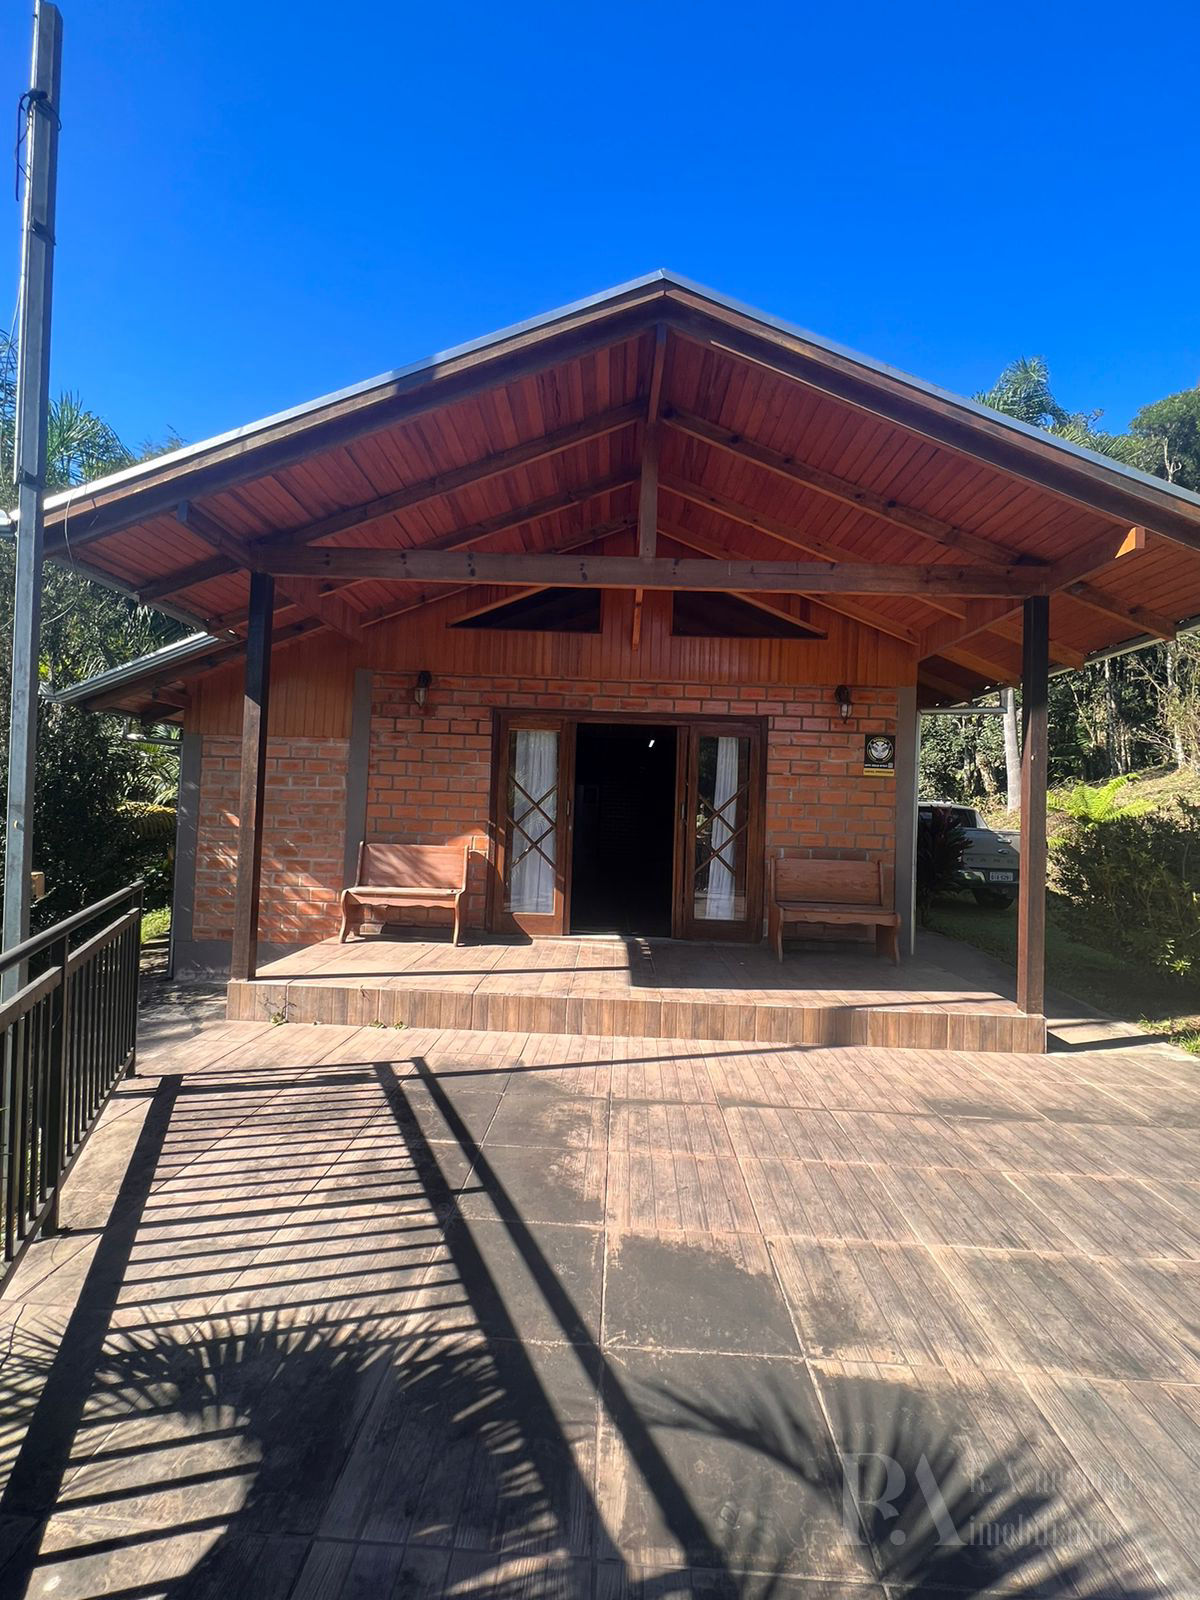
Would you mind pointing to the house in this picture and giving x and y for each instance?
(628, 600)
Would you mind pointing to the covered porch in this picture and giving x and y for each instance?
(655, 509)
(941, 998)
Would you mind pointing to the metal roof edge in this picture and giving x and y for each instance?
(180, 652)
(544, 320)
(971, 409)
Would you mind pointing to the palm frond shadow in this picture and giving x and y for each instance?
(443, 1438)
(926, 1510)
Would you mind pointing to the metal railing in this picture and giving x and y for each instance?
(67, 1037)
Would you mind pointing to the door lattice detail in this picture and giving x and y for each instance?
(704, 831)
(519, 823)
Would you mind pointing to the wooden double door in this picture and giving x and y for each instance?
(715, 841)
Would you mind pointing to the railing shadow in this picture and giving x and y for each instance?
(384, 1432)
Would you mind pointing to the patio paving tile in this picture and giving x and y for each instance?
(694, 1291)
(711, 1421)
(382, 1314)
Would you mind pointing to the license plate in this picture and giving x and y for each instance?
(1000, 877)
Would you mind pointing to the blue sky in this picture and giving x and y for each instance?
(262, 202)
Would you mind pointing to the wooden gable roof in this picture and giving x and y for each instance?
(769, 446)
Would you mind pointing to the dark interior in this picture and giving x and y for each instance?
(624, 829)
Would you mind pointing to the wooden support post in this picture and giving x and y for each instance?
(1031, 904)
(244, 960)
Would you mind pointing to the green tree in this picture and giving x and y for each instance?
(1170, 432)
(83, 841)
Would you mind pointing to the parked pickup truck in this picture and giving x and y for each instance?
(991, 864)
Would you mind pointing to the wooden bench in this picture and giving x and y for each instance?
(391, 876)
(836, 892)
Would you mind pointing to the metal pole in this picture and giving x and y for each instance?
(33, 394)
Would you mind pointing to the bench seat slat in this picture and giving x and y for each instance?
(836, 893)
(406, 875)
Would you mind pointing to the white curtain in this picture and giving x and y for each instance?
(719, 900)
(535, 768)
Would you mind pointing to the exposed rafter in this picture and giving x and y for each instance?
(305, 593)
(852, 494)
(565, 500)
(838, 603)
(811, 544)
(1138, 617)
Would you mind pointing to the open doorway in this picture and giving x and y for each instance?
(624, 836)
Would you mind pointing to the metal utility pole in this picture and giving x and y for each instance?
(39, 116)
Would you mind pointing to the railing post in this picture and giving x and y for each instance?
(135, 985)
(58, 1067)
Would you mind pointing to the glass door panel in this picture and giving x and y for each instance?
(532, 826)
(721, 823)
(721, 813)
(533, 821)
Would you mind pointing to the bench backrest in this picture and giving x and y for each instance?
(413, 866)
(844, 883)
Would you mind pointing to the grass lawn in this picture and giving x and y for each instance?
(1097, 977)
(156, 924)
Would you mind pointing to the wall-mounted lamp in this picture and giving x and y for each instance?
(842, 695)
(421, 689)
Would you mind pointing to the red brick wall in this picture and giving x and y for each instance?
(304, 830)
(429, 781)
(430, 775)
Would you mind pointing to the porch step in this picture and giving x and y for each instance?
(806, 1018)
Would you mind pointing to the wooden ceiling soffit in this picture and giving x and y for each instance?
(933, 416)
(306, 593)
(784, 532)
(629, 572)
(1138, 617)
(940, 677)
(1009, 629)
(982, 616)
(839, 603)
(292, 439)
(842, 489)
(259, 558)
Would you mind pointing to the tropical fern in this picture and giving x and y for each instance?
(1093, 805)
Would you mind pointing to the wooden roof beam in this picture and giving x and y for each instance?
(647, 538)
(202, 571)
(877, 505)
(630, 572)
(386, 613)
(305, 593)
(839, 604)
(783, 531)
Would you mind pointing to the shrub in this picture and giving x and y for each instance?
(1132, 884)
(941, 845)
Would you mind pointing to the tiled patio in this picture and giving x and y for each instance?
(377, 1313)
